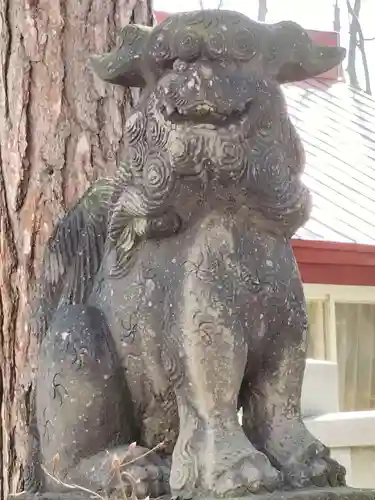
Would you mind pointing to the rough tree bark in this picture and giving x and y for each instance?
(60, 128)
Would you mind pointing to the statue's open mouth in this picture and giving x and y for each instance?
(204, 112)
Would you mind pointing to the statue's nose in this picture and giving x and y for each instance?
(199, 83)
(197, 72)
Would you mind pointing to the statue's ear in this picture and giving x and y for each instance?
(296, 57)
(317, 60)
(123, 65)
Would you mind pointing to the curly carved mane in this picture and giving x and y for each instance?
(138, 212)
(73, 255)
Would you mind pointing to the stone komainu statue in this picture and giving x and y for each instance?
(170, 296)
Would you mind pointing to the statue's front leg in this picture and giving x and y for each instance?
(212, 454)
(271, 402)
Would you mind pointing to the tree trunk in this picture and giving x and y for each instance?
(60, 128)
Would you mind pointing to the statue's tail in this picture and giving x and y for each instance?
(72, 258)
(73, 255)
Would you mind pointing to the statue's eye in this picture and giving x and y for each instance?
(180, 66)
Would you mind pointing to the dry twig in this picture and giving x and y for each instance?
(72, 486)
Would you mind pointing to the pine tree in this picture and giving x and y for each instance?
(60, 128)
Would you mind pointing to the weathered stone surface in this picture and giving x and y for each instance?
(170, 295)
(324, 494)
(304, 494)
(73, 495)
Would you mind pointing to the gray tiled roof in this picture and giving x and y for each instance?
(337, 126)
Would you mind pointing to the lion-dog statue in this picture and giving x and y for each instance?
(170, 297)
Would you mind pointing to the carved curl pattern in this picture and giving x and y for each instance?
(140, 208)
(234, 160)
(135, 128)
(187, 45)
(245, 45)
(157, 134)
(217, 45)
(138, 153)
(186, 155)
(159, 181)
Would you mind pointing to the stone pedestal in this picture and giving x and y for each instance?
(322, 494)
(305, 494)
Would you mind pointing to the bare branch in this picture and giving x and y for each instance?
(262, 10)
(219, 5)
(357, 40)
(72, 486)
(336, 17)
(353, 79)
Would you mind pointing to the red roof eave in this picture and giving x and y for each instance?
(325, 262)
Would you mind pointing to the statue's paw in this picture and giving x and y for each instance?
(124, 469)
(228, 466)
(146, 475)
(252, 474)
(316, 469)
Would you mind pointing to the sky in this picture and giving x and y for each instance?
(297, 10)
(315, 14)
